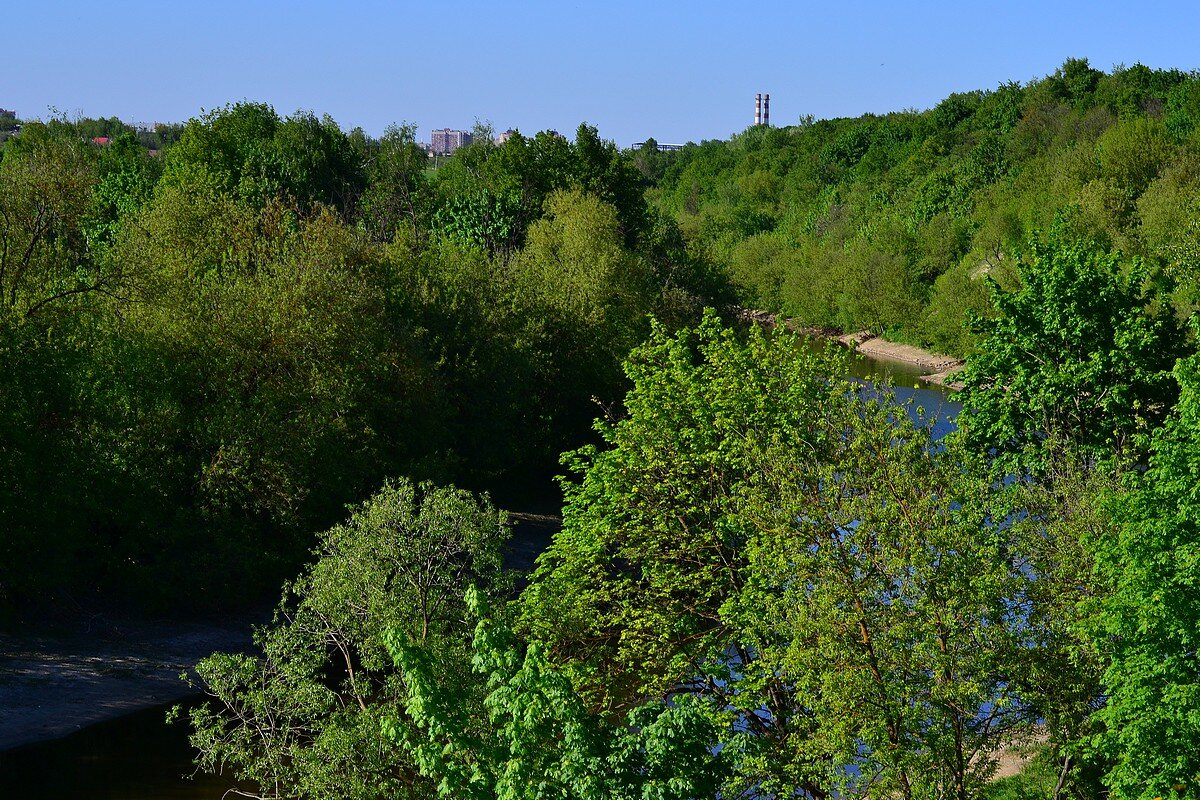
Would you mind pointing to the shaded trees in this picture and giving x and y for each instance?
(280, 389)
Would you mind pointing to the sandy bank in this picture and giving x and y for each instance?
(941, 368)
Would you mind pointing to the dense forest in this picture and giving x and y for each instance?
(888, 222)
(276, 352)
(209, 352)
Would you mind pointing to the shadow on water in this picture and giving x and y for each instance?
(134, 757)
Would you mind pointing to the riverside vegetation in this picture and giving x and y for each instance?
(770, 581)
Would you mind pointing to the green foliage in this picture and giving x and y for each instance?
(247, 151)
(1035, 781)
(1076, 80)
(1169, 209)
(280, 391)
(1137, 90)
(492, 193)
(539, 739)
(1082, 353)
(46, 185)
(575, 266)
(241, 346)
(126, 183)
(1147, 624)
(1183, 108)
(302, 720)
(791, 549)
(866, 215)
(480, 219)
(758, 264)
(397, 197)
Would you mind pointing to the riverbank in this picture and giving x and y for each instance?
(940, 368)
(98, 666)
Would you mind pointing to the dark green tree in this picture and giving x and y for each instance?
(247, 151)
(1081, 354)
(304, 718)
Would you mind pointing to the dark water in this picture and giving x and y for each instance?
(140, 757)
(135, 757)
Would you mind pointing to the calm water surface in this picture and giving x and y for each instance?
(140, 757)
(135, 757)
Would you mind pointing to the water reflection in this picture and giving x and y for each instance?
(935, 402)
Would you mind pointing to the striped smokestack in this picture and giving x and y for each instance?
(758, 109)
(766, 119)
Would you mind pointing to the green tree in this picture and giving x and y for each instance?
(396, 197)
(1147, 623)
(1077, 80)
(1170, 230)
(126, 178)
(1082, 353)
(247, 151)
(1183, 108)
(790, 548)
(575, 263)
(281, 390)
(47, 177)
(303, 719)
(539, 739)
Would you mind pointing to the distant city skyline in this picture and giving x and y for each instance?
(672, 71)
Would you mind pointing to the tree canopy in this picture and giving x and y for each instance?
(1082, 354)
(303, 719)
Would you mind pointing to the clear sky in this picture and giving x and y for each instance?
(677, 71)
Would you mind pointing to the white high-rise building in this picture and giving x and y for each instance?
(446, 141)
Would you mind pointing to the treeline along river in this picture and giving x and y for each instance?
(140, 757)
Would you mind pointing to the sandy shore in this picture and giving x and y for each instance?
(941, 368)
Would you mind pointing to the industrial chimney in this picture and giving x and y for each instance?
(758, 109)
(766, 111)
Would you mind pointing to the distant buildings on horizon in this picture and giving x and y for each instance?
(445, 141)
(662, 146)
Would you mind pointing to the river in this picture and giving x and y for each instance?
(139, 757)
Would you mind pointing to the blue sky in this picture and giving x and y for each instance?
(676, 71)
